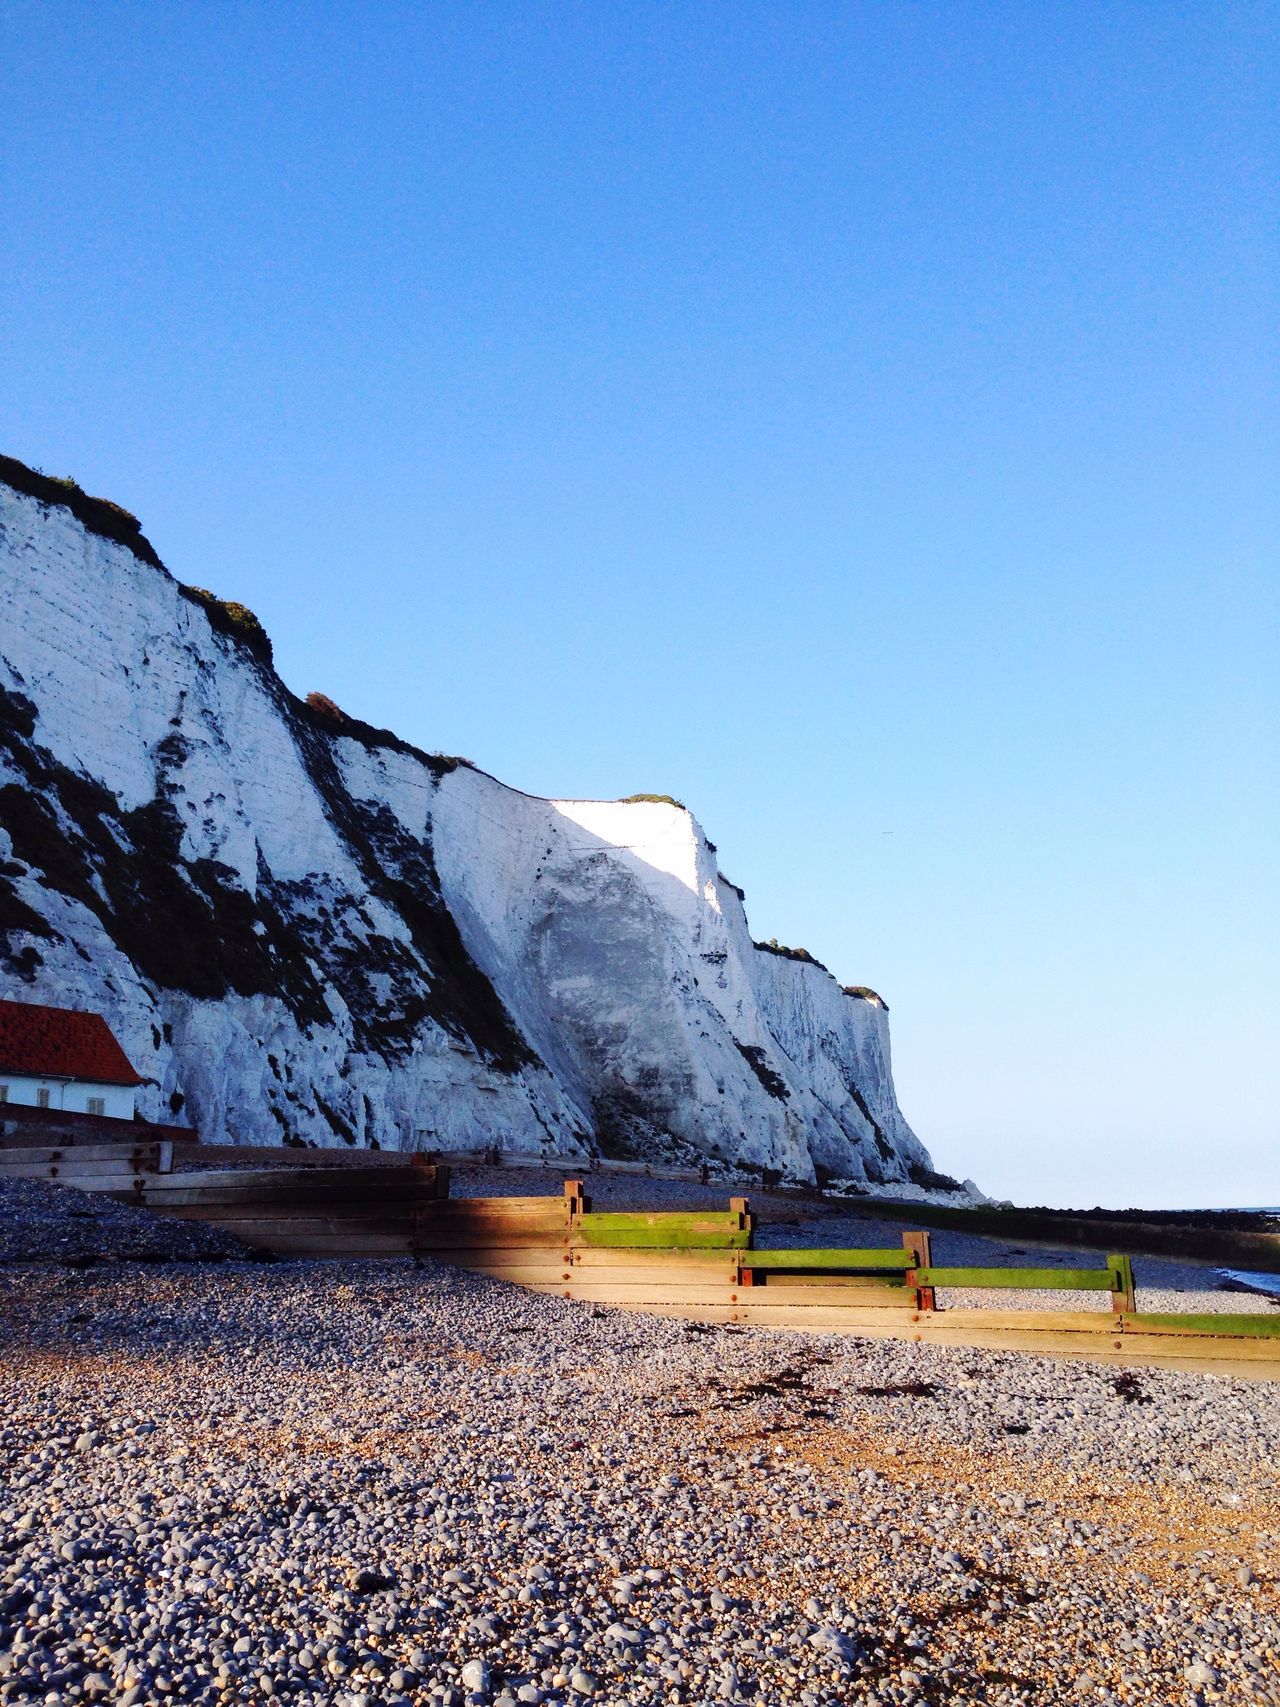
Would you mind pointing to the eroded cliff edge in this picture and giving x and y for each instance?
(306, 930)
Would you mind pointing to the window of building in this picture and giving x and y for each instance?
(42, 1097)
(96, 1105)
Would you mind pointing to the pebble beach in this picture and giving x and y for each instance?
(375, 1483)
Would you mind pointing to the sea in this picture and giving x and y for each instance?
(1260, 1282)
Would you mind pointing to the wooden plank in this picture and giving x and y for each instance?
(306, 1182)
(500, 1253)
(122, 1188)
(214, 1204)
(1240, 1349)
(1249, 1326)
(539, 1220)
(417, 1181)
(597, 1292)
(788, 1280)
(442, 1214)
(951, 1328)
(639, 1238)
(93, 1176)
(267, 1226)
(282, 1209)
(942, 1328)
(541, 1275)
(331, 1244)
(715, 1220)
(797, 1292)
(826, 1259)
(627, 1256)
(640, 1274)
(1026, 1321)
(1023, 1279)
(869, 1324)
(272, 1202)
(88, 1154)
(117, 1191)
(444, 1239)
(498, 1205)
(1255, 1360)
(255, 1227)
(853, 1317)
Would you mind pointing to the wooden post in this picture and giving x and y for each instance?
(575, 1202)
(1123, 1300)
(427, 1173)
(922, 1252)
(741, 1207)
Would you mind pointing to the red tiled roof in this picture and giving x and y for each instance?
(59, 1043)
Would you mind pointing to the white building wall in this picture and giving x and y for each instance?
(68, 1094)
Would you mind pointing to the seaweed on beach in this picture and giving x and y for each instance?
(903, 1390)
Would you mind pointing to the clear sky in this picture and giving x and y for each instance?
(858, 420)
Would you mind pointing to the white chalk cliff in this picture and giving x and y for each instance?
(305, 930)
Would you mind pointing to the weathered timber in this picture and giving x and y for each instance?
(244, 1182)
(209, 1204)
(828, 1259)
(800, 1292)
(490, 1229)
(1020, 1279)
(638, 1273)
(624, 1297)
(125, 1183)
(711, 1231)
(84, 1157)
(100, 1176)
(673, 1221)
(918, 1245)
(658, 1238)
(868, 1323)
(443, 1243)
(655, 1260)
(1123, 1290)
(334, 1208)
(533, 1275)
(503, 1252)
(504, 1205)
(1213, 1325)
(621, 1219)
(256, 1229)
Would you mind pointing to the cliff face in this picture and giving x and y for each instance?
(304, 929)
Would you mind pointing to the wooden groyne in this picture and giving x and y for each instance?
(703, 1267)
(698, 1265)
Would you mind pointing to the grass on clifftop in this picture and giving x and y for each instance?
(773, 946)
(228, 616)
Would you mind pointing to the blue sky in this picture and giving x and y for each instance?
(857, 420)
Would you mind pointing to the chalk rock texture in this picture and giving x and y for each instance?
(306, 930)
